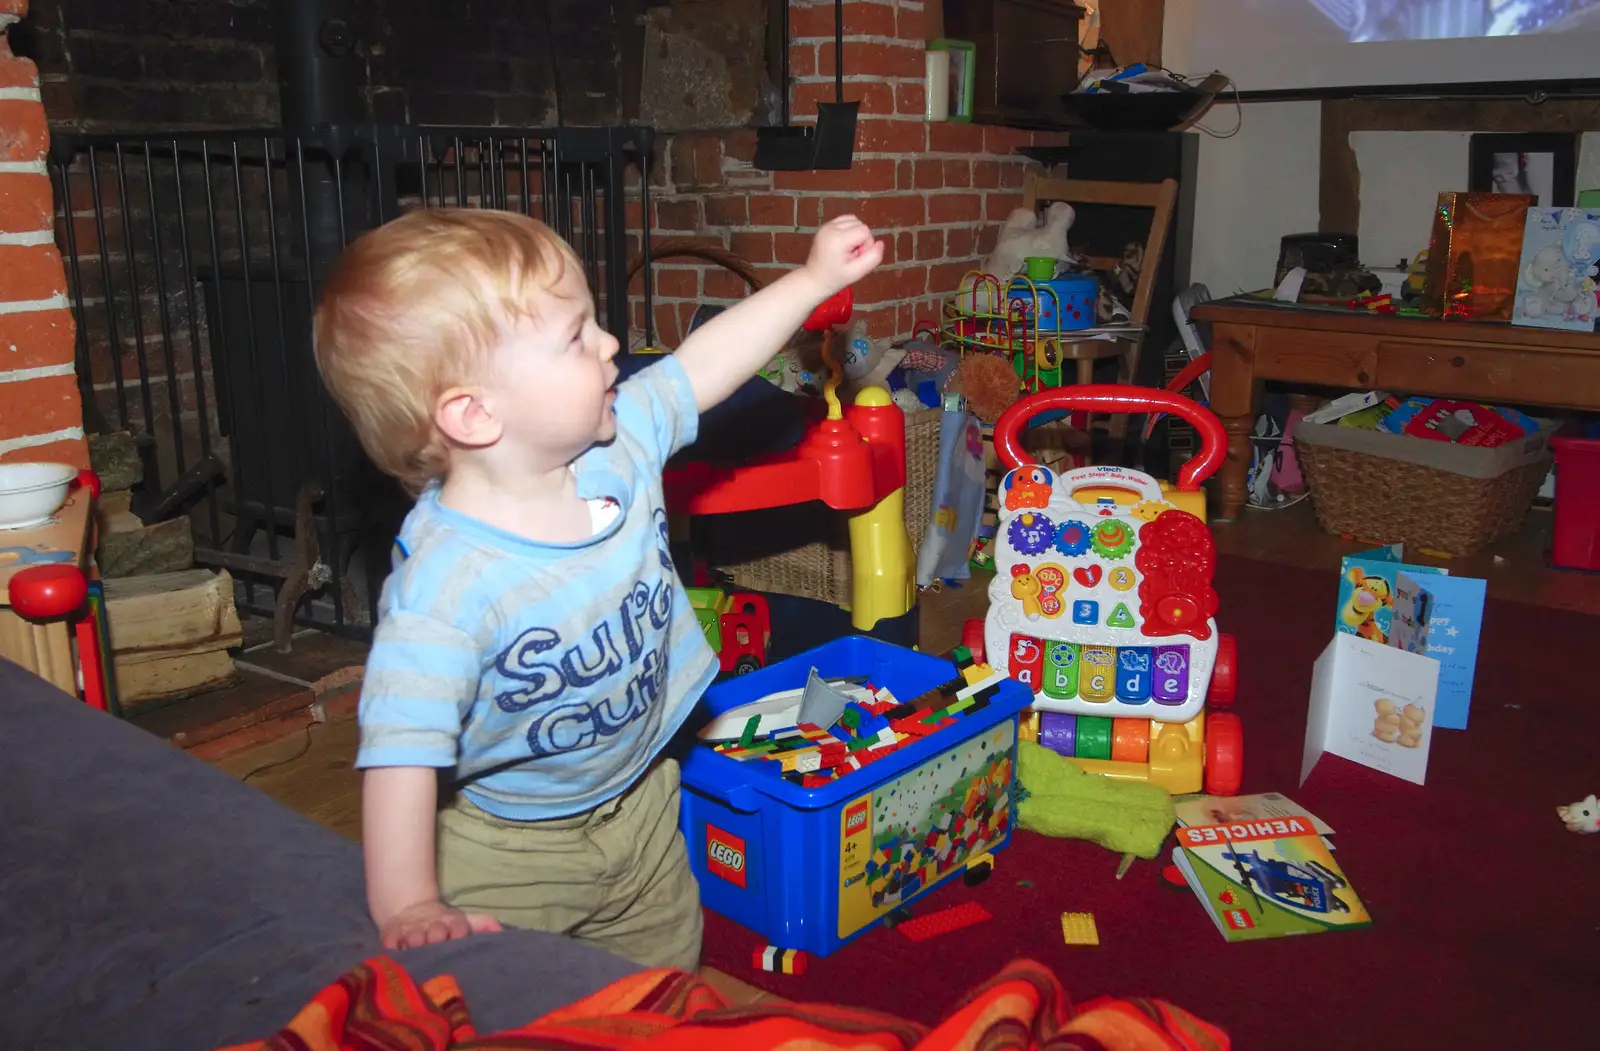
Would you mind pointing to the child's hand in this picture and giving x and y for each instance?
(843, 252)
(432, 921)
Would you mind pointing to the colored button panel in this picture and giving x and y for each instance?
(1061, 671)
(1133, 674)
(1171, 675)
(1026, 660)
(1097, 673)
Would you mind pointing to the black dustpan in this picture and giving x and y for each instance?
(831, 144)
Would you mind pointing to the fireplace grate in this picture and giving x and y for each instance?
(194, 261)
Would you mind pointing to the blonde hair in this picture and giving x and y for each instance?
(412, 309)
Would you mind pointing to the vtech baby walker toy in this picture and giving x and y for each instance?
(1102, 604)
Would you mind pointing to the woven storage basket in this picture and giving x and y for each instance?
(792, 560)
(1386, 500)
(820, 569)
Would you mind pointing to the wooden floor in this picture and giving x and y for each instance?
(312, 771)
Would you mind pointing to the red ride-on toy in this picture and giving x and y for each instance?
(1102, 603)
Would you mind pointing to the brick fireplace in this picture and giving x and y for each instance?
(186, 248)
(41, 416)
(936, 193)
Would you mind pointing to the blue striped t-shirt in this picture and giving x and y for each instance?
(547, 676)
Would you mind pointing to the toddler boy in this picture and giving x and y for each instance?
(535, 649)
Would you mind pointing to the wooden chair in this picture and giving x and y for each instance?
(1161, 198)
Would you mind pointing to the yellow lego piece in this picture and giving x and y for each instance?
(1077, 928)
(977, 673)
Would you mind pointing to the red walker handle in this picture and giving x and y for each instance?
(1110, 397)
(831, 312)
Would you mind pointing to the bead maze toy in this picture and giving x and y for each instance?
(1027, 330)
(1102, 604)
(854, 460)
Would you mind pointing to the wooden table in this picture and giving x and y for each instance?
(1252, 342)
(44, 649)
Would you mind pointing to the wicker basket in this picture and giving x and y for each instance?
(792, 561)
(1387, 500)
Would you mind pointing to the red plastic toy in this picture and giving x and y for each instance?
(854, 460)
(62, 592)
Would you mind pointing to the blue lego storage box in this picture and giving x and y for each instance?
(812, 869)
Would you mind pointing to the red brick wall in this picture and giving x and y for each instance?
(41, 415)
(936, 193)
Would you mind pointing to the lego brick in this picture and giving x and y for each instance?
(1078, 928)
(991, 681)
(779, 961)
(936, 923)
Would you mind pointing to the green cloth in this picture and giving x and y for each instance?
(1062, 799)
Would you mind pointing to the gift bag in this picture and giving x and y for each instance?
(959, 491)
(1474, 254)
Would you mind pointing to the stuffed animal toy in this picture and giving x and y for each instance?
(924, 372)
(1022, 237)
(989, 384)
(1582, 817)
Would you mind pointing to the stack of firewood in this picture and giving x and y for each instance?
(171, 624)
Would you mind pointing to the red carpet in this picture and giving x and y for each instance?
(1486, 911)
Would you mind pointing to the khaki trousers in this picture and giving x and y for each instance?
(617, 876)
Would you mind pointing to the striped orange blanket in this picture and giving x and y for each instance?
(379, 1007)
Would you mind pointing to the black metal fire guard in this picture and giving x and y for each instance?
(194, 261)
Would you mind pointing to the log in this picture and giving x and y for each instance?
(115, 458)
(129, 548)
(170, 634)
(172, 678)
(172, 612)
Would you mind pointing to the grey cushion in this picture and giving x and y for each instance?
(148, 900)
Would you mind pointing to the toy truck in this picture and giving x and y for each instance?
(738, 626)
(1102, 604)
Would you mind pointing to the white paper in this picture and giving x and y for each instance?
(1289, 290)
(1322, 690)
(1374, 705)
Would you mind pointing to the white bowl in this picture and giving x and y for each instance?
(31, 492)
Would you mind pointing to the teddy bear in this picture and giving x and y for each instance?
(1402, 726)
(1023, 236)
(1551, 283)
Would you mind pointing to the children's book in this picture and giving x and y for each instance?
(1419, 609)
(1267, 878)
(1264, 806)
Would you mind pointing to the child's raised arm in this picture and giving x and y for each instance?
(728, 349)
